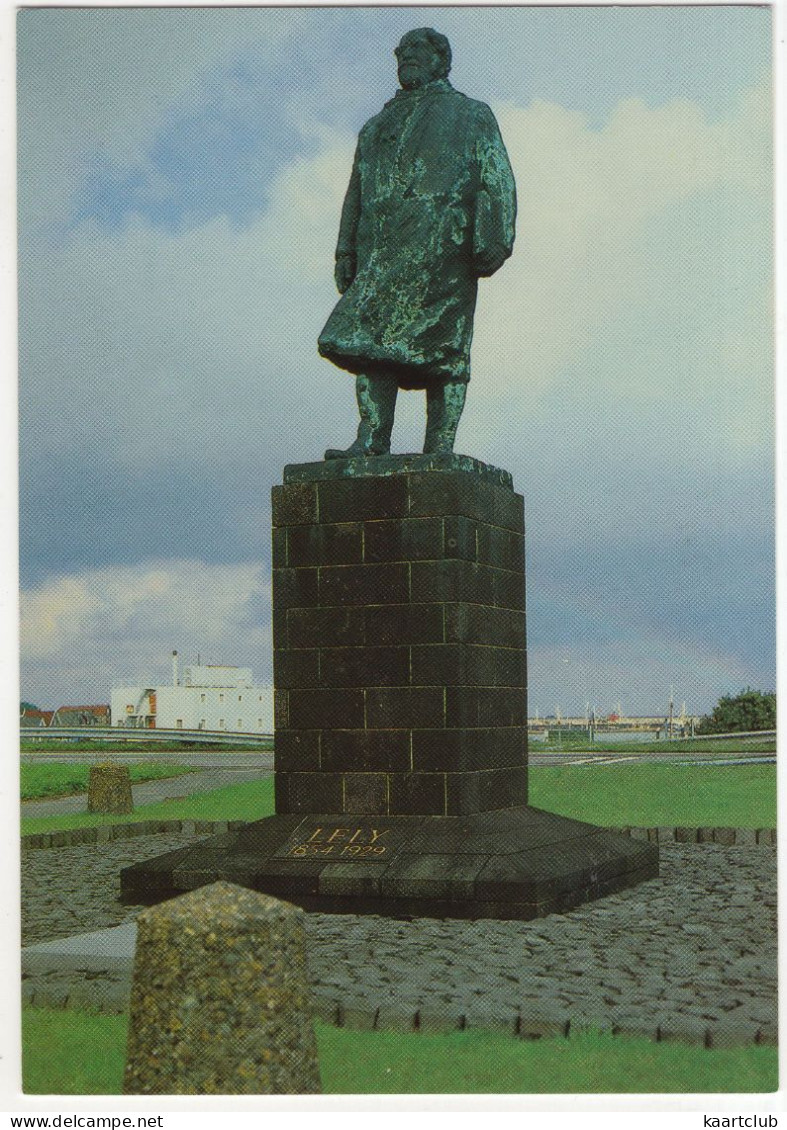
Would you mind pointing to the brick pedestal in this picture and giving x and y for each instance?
(401, 711)
(399, 643)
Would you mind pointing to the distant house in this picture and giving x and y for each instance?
(209, 697)
(81, 716)
(35, 719)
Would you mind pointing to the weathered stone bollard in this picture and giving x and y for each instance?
(109, 789)
(220, 999)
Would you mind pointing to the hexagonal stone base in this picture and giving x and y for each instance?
(516, 863)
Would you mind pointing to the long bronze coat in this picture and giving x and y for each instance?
(430, 207)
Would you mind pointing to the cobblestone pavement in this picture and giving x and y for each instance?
(692, 949)
(151, 792)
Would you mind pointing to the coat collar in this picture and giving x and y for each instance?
(432, 87)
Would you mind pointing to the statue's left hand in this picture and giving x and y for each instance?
(490, 261)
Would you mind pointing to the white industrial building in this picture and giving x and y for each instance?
(208, 697)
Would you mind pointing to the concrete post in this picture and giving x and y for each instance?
(109, 790)
(220, 998)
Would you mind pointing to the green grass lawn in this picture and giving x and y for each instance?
(617, 795)
(81, 1053)
(57, 779)
(656, 794)
(250, 801)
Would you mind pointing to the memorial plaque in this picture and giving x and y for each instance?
(344, 841)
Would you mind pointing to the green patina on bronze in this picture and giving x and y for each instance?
(430, 208)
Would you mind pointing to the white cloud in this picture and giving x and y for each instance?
(84, 633)
(586, 199)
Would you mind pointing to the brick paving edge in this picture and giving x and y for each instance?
(728, 837)
(104, 834)
(540, 1023)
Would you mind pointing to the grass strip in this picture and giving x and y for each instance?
(58, 779)
(66, 1052)
(742, 796)
(250, 801)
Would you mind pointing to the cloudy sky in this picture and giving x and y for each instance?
(180, 180)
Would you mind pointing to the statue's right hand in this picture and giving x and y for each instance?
(344, 272)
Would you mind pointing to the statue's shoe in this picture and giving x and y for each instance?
(356, 450)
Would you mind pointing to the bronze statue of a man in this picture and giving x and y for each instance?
(430, 208)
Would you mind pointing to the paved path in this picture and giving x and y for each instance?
(151, 792)
(689, 953)
(538, 755)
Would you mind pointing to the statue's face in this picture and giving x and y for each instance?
(418, 62)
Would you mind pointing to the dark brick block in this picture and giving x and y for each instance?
(509, 510)
(295, 750)
(486, 791)
(279, 626)
(294, 588)
(460, 538)
(485, 706)
(345, 879)
(404, 539)
(279, 548)
(501, 706)
(450, 750)
(340, 544)
(292, 879)
(404, 624)
(281, 709)
(316, 627)
(364, 584)
(444, 877)
(326, 709)
(462, 793)
(438, 665)
(357, 500)
(510, 746)
(541, 875)
(467, 496)
(509, 590)
(365, 667)
(503, 788)
(294, 505)
(466, 665)
(389, 708)
(314, 792)
(381, 750)
(281, 792)
(366, 793)
(451, 581)
(417, 794)
(504, 549)
(466, 750)
(450, 494)
(461, 707)
(480, 624)
(296, 668)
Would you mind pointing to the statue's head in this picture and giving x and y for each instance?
(422, 56)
